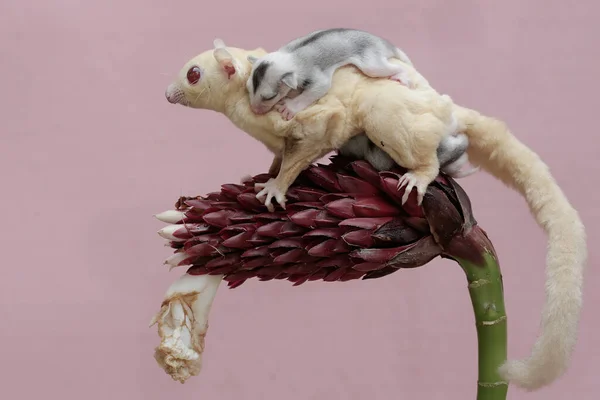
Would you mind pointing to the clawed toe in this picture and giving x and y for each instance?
(409, 181)
(269, 192)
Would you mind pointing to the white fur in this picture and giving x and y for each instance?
(497, 151)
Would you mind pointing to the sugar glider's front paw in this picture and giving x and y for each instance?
(412, 180)
(270, 190)
(403, 79)
(285, 111)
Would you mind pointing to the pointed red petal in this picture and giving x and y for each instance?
(231, 190)
(333, 233)
(240, 275)
(361, 238)
(304, 194)
(328, 198)
(214, 196)
(259, 251)
(210, 238)
(188, 230)
(233, 230)
(389, 184)
(325, 220)
(290, 229)
(329, 247)
(261, 178)
(193, 215)
(337, 261)
(351, 274)
(229, 259)
(396, 231)
(198, 205)
(188, 260)
(250, 202)
(255, 262)
(227, 205)
(320, 274)
(324, 178)
(341, 208)
(257, 240)
(196, 229)
(241, 217)
(288, 243)
(302, 269)
(271, 229)
(203, 250)
(291, 256)
(375, 207)
(380, 273)
(341, 246)
(197, 270)
(298, 279)
(304, 205)
(351, 184)
(270, 271)
(335, 274)
(368, 266)
(305, 218)
(366, 223)
(365, 171)
(419, 254)
(227, 269)
(237, 283)
(220, 219)
(239, 241)
(271, 216)
(378, 255)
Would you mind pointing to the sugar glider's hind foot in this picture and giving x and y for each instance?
(414, 179)
(403, 78)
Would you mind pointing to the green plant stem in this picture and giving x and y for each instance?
(487, 297)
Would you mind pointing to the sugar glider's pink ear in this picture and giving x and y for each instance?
(224, 58)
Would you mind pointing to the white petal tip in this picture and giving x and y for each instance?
(176, 259)
(168, 231)
(170, 216)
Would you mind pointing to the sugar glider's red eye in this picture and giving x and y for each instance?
(193, 75)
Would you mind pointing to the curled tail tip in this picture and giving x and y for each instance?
(529, 374)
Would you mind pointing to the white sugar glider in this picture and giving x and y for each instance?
(451, 152)
(307, 65)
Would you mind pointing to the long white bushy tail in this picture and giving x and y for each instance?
(497, 151)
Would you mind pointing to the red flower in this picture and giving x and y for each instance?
(342, 221)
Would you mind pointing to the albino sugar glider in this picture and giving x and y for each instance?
(396, 118)
(307, 64)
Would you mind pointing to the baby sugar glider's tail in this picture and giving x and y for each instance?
(497, 151)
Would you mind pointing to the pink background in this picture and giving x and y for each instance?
(90, 150)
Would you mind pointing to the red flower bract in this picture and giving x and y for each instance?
(342, 221)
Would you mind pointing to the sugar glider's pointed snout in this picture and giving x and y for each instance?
(174, 94)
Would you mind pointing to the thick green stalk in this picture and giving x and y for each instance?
(487, 296)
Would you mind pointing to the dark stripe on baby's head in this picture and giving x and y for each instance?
(306, 83)
(259, 74)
